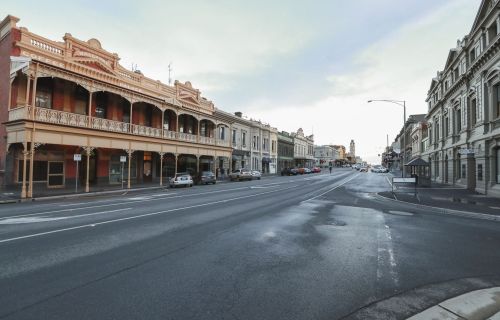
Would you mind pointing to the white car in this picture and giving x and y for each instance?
(256, 174)
(181, 179)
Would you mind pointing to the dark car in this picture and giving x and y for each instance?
(289, 172)
(206, 177)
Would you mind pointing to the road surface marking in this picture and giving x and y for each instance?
(386, 251)
(24, 220)
(138, 216)
(330, 190)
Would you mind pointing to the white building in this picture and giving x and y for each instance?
(464, 109)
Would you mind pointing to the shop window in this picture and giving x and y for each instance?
(56, 173)
(480, 172)
(39, 171)
(464, 169)
(115, 170)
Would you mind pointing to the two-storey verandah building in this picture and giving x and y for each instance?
(73, 97)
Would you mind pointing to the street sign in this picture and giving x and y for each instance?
(466, 151)
(77, 157)
(123, 158)
(404, 180)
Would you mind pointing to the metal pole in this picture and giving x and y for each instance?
(404, 139)
(122, 174)
(76, 183)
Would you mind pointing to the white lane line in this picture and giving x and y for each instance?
(26, 220)
(138, 216)
(117, 204)
(386, 252)
(388, 181)
(330, 190)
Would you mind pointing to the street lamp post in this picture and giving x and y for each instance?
(403, 149)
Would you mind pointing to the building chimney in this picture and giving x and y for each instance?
(238, 114)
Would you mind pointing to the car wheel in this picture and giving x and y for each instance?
(258, 178)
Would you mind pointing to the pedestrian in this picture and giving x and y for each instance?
(330, 168)
(222, 173)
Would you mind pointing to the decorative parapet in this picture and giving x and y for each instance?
(90, 60)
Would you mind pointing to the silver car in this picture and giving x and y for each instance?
(256, 174)
(181, 179)
(240, 174)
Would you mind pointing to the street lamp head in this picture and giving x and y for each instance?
(370, 101)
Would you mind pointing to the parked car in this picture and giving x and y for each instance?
(363, 169)
(256, 174)
(206, 177)
(300, 170)
(240, 174)
(316, 170)
(307, 170)
(289, 172)
(181, 179)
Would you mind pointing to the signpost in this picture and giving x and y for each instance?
(123, 159)
(405, 181)
(77, 157)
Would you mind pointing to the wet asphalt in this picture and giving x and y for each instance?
(308, 247)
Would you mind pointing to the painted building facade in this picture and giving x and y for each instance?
(61, 98)
(464, 109)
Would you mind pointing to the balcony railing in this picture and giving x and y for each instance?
(82, 121)
(110, 125)
(207, 140)
(186, 137)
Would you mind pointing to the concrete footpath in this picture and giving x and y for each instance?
(450, 199)
(13, 196)
(476, 305)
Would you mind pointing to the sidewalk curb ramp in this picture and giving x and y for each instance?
(410, 303)
(476, 305)
(466, 214)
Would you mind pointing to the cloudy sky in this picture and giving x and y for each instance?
(309, 64)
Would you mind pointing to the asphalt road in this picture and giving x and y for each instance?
(309, 247)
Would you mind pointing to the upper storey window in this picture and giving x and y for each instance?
(43, 97)
(492, 32)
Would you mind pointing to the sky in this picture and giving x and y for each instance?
(292, 64)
